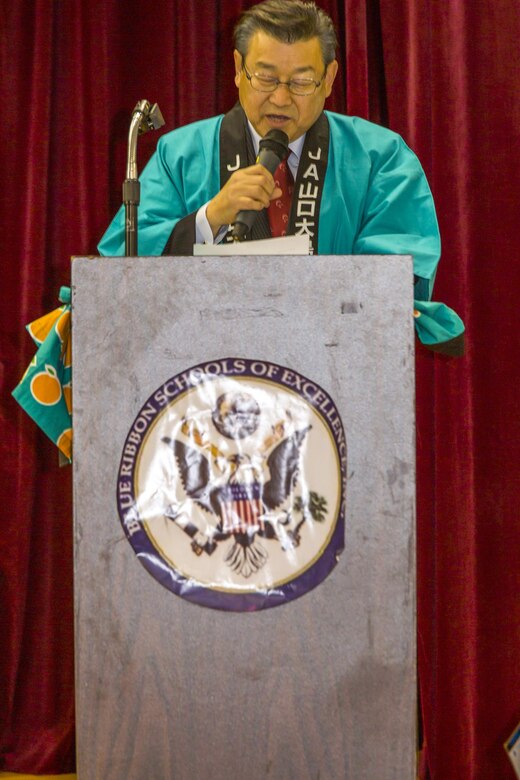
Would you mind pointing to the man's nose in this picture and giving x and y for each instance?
(281, 95)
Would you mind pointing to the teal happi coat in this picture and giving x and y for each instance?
(375, 200)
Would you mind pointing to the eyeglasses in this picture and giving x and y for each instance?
(263, 83)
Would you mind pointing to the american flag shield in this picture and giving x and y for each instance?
(241, 509)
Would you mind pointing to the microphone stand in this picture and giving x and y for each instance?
(144, 117)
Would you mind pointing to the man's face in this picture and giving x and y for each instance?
(293, 114)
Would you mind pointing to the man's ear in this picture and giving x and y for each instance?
(238, 66)
(330, 75)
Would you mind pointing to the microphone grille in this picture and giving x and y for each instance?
(277, 141)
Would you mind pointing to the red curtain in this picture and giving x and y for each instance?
(444, 75)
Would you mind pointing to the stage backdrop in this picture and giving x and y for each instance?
(444, 75)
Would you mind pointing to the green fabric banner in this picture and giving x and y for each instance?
(45, 390)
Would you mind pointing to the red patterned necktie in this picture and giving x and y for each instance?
(279, 209)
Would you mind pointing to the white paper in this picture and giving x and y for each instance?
(283, 245)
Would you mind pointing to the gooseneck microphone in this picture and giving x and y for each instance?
(144, 117)
(272, 150)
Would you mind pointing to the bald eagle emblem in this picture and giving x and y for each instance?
(250, 497)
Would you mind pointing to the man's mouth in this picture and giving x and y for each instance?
(278, 118)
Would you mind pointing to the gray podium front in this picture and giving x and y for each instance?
(323, 686)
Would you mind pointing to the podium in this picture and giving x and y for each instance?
(325, 684)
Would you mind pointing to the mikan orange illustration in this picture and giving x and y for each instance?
(67, 394)
(65, 442)
(66, 353)
(63, 326)
(40, 328)
(46, 387)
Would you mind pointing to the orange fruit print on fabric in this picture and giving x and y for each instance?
(46, 387)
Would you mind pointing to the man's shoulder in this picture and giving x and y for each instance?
(351, 135)
(192, 132)
(361, 128)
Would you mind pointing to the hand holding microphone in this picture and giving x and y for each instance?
(249, 190)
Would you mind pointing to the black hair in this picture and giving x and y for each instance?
(288, 21)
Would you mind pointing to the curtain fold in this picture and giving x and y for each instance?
(445, 76)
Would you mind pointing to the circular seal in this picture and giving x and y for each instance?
(231, 486)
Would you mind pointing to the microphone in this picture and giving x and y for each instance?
(272, 150)
(144, 117)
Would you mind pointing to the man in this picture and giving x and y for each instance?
(358, 188)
